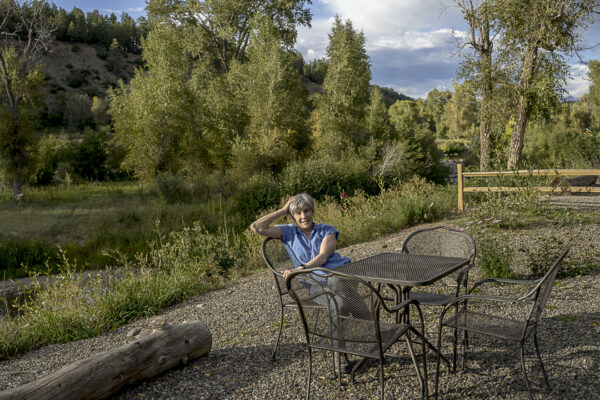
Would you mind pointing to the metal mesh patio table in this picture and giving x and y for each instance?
(404, 271)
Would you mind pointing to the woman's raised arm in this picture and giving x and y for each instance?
(262, 226)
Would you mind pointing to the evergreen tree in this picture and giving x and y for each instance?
(339, 117)
(378, 120)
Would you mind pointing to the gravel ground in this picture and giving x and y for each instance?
(243, 319)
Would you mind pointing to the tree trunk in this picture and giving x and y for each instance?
(103, 375)
(17, 193)
(515, 148)
(485, 117)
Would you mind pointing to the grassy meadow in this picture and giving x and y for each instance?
(87, 221)
(173, 265)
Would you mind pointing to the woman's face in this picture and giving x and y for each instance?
(304, 217)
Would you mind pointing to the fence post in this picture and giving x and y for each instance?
(459, 177)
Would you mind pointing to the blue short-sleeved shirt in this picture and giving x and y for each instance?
(305, 249)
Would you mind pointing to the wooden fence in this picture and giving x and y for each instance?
(536, 172)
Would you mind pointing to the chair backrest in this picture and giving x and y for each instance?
(542, 290)
(337, 310)
(278, 258)
(442, 241)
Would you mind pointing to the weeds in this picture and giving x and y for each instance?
(494, 258)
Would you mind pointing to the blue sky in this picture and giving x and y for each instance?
(410, 42)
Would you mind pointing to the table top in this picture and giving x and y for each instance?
(403, 269)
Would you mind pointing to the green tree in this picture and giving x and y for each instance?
(77, 29)
(225, 26)
(404, 115)
(593, 97)
(478, 67)
(21, 77)
(378, 119)
(150, 115)
(275, 101)
(461, 115)
(339, 117)
(538, 33)
(434, 108)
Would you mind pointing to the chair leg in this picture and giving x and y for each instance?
(537, 350)
(309, 373)
(525, 371)
(416, 364)
(279, 335)
(339, 372)
(381, 376)
(454, 344)
(464, 348)
(437, 363)
(335, 371)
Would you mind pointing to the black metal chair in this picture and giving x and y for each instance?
(278, 259)
(514, 330)
(342, 314)
(443, 241)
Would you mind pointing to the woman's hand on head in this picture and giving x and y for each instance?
(286, 207)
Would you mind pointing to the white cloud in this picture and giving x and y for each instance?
(441, 38)
(108, 10)
(312, 42)
(393, 17)
(135, 9)
(579, 83)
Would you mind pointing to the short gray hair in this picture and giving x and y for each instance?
(300, 201)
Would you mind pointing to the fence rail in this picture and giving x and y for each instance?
(536, 172)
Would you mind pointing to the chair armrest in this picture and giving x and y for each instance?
(466, 297)
(503, 280)
(399, 306)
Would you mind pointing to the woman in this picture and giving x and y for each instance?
(312, 245)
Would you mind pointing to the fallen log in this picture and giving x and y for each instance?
(102, 375)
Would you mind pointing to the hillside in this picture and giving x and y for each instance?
(77, 72)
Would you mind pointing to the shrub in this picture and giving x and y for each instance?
(556, 145)
(494, 258)
(453, 146)
(173, 188)
(101, 53)
(258, 193)
(76, 78)
(320, 175)
(69, 65)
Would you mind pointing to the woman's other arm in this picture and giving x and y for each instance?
(262, 226)
(328, 246)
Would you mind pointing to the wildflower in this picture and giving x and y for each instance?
(470, 223)
(496, 221)
(344, 195)
(479, 222)
(344, 207)
(461, 229)
(489, 219)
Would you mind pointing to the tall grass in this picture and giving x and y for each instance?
(86, 220)
(191, 261)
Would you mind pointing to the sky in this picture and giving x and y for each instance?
(410, 43)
